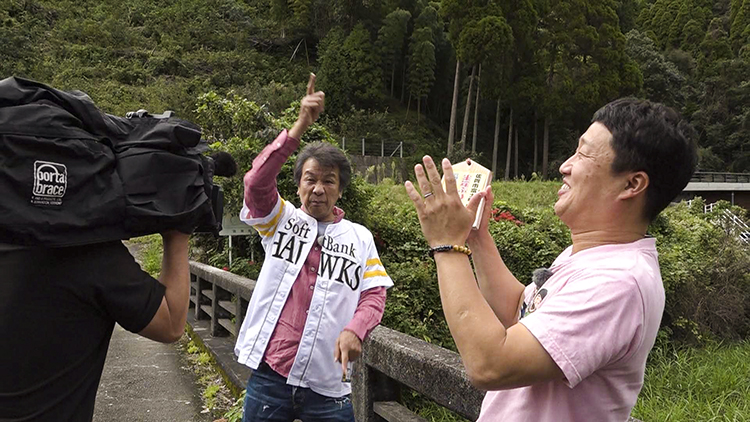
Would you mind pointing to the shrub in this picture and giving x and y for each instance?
(705, 268)
(706, 273)
(242, 128)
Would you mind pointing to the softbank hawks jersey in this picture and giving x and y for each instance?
(349, 264)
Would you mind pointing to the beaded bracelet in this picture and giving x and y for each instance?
(449, 248)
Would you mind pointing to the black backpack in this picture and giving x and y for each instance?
(71, 174)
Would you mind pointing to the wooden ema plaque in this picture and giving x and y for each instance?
(470, 179)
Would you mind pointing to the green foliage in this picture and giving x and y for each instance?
(491, 37)
(333, 78)
(362, 67)
(150, 249)
(675, 35)
(711, 86)
(662, 81)
(234, 414)
(421, 63)
(739, 33)
(692, 34)
(391, 41)
(706, 274)
(686, 384)
(349, 70)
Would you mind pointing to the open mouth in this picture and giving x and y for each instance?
(564, 188)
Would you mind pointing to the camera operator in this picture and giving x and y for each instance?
(59, 307)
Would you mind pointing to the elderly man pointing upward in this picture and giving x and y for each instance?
(322, 287)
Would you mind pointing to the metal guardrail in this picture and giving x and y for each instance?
(377, 148)
(732, 219)
(390, 360)
(713, 177)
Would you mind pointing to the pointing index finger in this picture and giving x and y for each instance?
(311, 84)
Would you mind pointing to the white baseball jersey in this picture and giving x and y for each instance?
(349, 264)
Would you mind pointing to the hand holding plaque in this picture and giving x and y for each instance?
(446, 217)
(470, 179)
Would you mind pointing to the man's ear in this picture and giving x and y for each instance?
(636, 184)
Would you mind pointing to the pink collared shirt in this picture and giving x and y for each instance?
(260, 198)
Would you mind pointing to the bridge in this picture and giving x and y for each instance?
(391, 361)
(731, 187)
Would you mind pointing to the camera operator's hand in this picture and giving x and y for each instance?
(312, 105)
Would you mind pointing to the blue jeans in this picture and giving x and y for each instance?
(270, 398)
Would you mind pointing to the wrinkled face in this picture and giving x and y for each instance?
(589, 188)
(319, 189)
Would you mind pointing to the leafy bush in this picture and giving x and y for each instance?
(705, 268)
(706, 273)
(243, 128)
(413, 304)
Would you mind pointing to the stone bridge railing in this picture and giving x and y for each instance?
(390, 359)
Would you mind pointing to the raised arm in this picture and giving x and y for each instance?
(260, 181)
(500, 288)
(168, 323)
(495, 357)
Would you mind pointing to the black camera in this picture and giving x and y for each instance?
(71, 174)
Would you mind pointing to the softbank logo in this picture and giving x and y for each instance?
(50, 183)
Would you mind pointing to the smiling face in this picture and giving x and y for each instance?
(590, 189)
(319, 189)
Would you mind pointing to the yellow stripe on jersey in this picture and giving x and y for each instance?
(375, 273)
(269, 229)
(373, 261)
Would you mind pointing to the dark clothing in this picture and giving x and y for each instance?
(57, 311)
(270, 399)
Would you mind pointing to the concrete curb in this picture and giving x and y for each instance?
(221, 350)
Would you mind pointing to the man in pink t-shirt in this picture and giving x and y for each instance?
(571, 346)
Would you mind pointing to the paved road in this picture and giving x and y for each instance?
(146, 381)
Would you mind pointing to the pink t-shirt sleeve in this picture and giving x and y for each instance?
(591, 321)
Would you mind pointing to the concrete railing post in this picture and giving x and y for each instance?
(215, 327)
(368, 387)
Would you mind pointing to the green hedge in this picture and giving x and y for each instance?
(706, 270)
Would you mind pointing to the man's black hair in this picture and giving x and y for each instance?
(327, 156)
(655, 139)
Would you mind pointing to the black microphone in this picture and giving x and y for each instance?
(224, 164)
(540, 276)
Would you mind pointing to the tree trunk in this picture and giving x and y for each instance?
(403, 81)
(536, 126)
(393, 76)
(419, 104)
(454, 106)
(510, 142)
(545, 147)
(497, 138)
(408, 106)
(468, 109)
(476, 114)
(515, 163)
